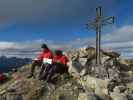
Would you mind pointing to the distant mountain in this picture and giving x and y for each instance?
(7, 63)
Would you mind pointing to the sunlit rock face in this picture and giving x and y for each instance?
(103, 78)
(82, 61)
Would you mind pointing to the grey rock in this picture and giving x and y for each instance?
(83, 61)
(84, 72)
(14, 97)
(118, 96)
(101, 72)
(116, 90)
(87, 96)
(74, 68)
(113, 73)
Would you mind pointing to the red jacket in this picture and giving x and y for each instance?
(2, 77)
(62, 59)
(45, 54)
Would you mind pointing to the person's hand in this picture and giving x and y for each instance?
(36, 59)
(58, 61)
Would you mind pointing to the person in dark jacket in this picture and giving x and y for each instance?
(45, 54)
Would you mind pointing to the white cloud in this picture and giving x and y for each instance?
(120, 40)
(20, 49)
(28, 48)
(122, 34)
(119, 45)
(7, 45)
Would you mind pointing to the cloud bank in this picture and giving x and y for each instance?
(29, 49)
(120, 40)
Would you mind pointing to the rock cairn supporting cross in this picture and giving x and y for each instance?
(97, 24)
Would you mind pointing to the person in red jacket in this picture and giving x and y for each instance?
(46, 53)
(59, 64)
(60, 60)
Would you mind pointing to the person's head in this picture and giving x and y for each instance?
(44, 46)
(58, 52)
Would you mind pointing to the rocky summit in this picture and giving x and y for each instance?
(112, 80)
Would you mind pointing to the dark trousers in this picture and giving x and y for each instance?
(45, 68)
(56, 68)
(34, 64)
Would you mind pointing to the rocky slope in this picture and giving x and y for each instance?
(112, 80)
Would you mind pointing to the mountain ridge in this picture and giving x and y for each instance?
(8, 63)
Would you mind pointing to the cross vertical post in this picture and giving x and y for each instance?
(98, 35)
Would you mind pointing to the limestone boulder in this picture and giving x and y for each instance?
(74, 68)
(98, 85)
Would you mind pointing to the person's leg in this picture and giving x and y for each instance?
(33, 65)
(44, 71)
(43, 68)
(61, 68)
(65, 69)
(51, 72)
(58, 68)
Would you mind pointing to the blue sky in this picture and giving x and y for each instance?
(62, 22)
(65, 20)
